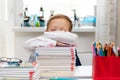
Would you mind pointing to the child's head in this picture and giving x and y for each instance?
(59, 22)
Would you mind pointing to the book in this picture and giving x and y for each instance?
(55, 51)
(57, 73)
(25, 70)
(55, 58)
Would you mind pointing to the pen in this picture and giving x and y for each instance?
(115, 53)
(109, 52)
(118, 49)
(93, 49)
(105, 49)
(100, 50)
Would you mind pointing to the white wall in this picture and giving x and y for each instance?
(20, 38)
(85, 58)
(18, 7)
(2, 28)
(6, 24)
(1, 35)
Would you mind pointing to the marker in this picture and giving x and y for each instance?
(100, 50)
(115, 52)
(118, 49)
(94, 49)
(109, 52)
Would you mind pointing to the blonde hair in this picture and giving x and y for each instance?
(60, 16)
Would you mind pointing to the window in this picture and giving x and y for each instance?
(83, 7)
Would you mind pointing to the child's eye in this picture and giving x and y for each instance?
(62, 29)
(53, 29)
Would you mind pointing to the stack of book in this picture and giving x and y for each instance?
(24, 71)
(55, 61)
(55, 58)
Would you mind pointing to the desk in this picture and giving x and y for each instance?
(80, 73)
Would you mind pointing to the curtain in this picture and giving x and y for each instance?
(113, 19)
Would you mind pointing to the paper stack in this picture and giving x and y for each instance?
(24, 71)
(55, 58)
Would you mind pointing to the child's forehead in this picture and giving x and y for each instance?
(57, 19)
(60, 20)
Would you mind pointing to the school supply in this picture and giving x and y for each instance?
(106, 67)
(108, 49)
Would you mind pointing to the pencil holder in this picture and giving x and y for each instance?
(106, 68)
